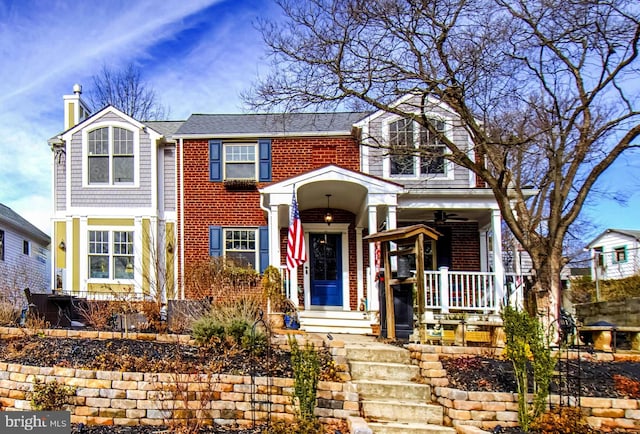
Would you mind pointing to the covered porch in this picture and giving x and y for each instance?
(336, 289)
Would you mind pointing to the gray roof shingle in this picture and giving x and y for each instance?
(268, 124)
(166, 128)
(19, 223)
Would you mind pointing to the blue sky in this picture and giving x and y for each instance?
(197, 55)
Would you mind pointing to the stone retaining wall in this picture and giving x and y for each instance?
(134, 398)
(486, 410)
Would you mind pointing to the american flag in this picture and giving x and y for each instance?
(296, 252)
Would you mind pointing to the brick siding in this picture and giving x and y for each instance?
(209, 203)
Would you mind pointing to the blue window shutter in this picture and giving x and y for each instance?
(215, 241)
(215, 160)
(264, 247)
(264, 146)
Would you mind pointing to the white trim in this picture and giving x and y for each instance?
(256, 235)
(364, 149)
(335, 228)
(137, 252)
(405, 99)
(181, 227)
(359, 266)
(256, 158)
(136, 155)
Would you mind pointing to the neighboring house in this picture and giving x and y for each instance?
(114, 214)
(24, 255)
(222, 185)
(615, 254)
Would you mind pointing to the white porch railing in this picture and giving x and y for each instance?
(460, 290)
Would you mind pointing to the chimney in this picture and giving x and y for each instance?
(75, 109)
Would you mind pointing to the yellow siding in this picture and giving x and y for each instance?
(169, 260)
(60, 233)
(110, 222)
(146, 243)
(76, 255)
(72, 115)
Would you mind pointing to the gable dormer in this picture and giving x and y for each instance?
(75, 109)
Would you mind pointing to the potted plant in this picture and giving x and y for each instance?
(291, 316)
(272, 290)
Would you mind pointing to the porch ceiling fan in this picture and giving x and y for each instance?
(441, 216)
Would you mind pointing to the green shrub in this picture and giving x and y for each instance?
(306, 375)
(50, 396)
(529, 351)
(237, 332)
(207, 331)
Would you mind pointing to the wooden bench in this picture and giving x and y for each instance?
(482, 332)
(604, 336)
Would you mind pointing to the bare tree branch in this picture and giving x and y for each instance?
(125, 90)
(544, 89)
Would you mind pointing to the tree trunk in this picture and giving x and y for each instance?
(545, 299)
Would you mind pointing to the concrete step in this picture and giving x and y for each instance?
(377, 389)
(409, 428)
(402, 411)
(334, 322)
(378, 353)
(383, 371)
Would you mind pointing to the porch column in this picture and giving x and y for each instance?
(359, 266)
(484, 255)
(498, 266)
(391, 217)
(274, 237)
(372, 297)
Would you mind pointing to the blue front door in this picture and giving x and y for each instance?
(326, 269)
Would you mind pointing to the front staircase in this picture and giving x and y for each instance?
(392, 402)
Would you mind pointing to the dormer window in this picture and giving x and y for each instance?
(111, 156)
(414, 150)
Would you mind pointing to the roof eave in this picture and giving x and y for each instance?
(261, 135)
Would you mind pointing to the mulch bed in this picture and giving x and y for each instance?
(574, 377)
(143, 356)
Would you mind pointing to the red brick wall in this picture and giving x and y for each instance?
(292, 156)
(465, 245)
(208, 203)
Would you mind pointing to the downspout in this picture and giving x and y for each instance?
(181, 219)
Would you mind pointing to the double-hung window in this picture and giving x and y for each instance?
(240, 247)
(111, 156)
(111, 254)
(239, 161)
(415, 150)
(432, 149)
(402, 145)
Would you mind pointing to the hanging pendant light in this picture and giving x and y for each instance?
(328, 216)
